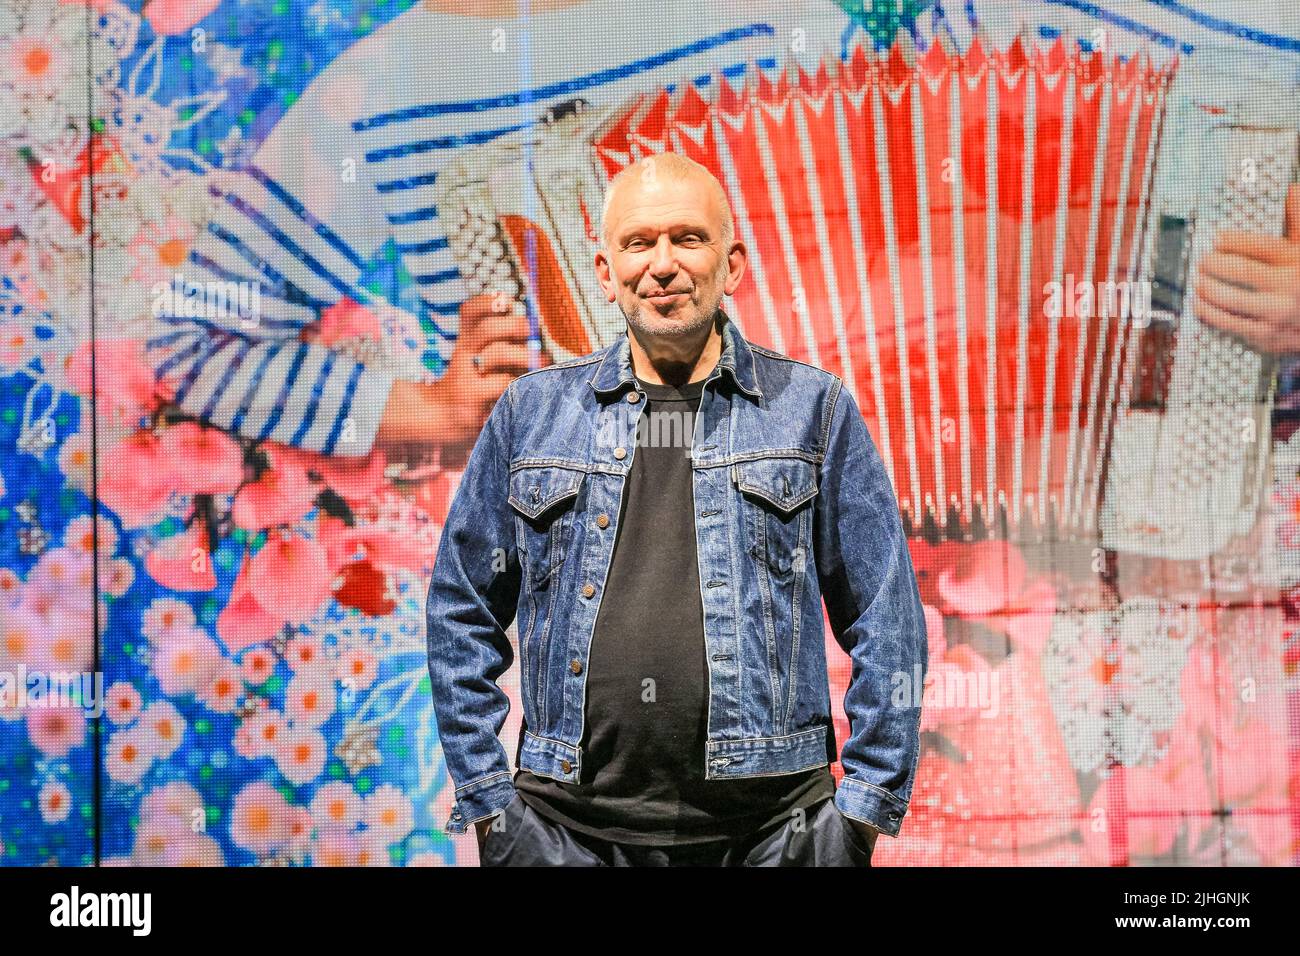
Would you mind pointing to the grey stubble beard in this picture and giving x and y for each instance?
(706, 316)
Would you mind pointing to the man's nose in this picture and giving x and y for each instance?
(663, 262)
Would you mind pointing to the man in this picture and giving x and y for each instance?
(674, 683)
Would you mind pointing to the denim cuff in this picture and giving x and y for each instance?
(870, 804)
(481, 799)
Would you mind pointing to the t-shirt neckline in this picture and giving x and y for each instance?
(656, 392)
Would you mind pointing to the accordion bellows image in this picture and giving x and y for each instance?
(905, 216)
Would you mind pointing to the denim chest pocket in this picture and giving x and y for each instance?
(778, 498)
(543, 498)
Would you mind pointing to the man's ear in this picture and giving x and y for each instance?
(737, 259)
(604, 275)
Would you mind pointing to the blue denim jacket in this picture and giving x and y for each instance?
(792, 506)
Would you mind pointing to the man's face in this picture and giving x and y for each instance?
(665, 264)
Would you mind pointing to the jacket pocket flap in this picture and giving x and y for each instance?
(535, 490)
(784, 483)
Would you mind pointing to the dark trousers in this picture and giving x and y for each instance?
(821, 836)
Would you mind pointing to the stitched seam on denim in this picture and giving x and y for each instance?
(566, 463)
(525, 632)
(510, 426)
(570, 363)
(872, 786)
(481, 781)
(784, 506)
(771, 773)
(704, 613)
(916, 759)
(793, 680)
(527, 684)
(553, 560)
(769, 617)
(810, 732)
(541, 509)
(764, 350)
(552, 740)
(786, 358)
(803, 496)
(735, 713)
(543, 664)
(831, 402)
(814, 458)
(737, 561)
(774, 773)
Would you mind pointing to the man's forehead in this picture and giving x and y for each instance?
(665, 215)
(663, 203)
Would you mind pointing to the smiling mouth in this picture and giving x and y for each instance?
(664, 296)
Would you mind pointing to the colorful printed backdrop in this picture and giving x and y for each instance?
(1105, 689)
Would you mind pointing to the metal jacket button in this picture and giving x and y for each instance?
(566, 766)
(620, 453)
(602, 521)
(588, 590)
(633, 397)
(575, 666)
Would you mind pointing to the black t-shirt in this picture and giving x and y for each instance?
(647, 681)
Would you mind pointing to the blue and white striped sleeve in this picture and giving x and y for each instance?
(300, 226)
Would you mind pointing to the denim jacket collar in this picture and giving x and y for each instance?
(615, 369)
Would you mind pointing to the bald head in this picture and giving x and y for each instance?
(668, 251)
(667, 169)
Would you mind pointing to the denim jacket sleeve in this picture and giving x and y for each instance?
(875, 613)
(472, 600)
